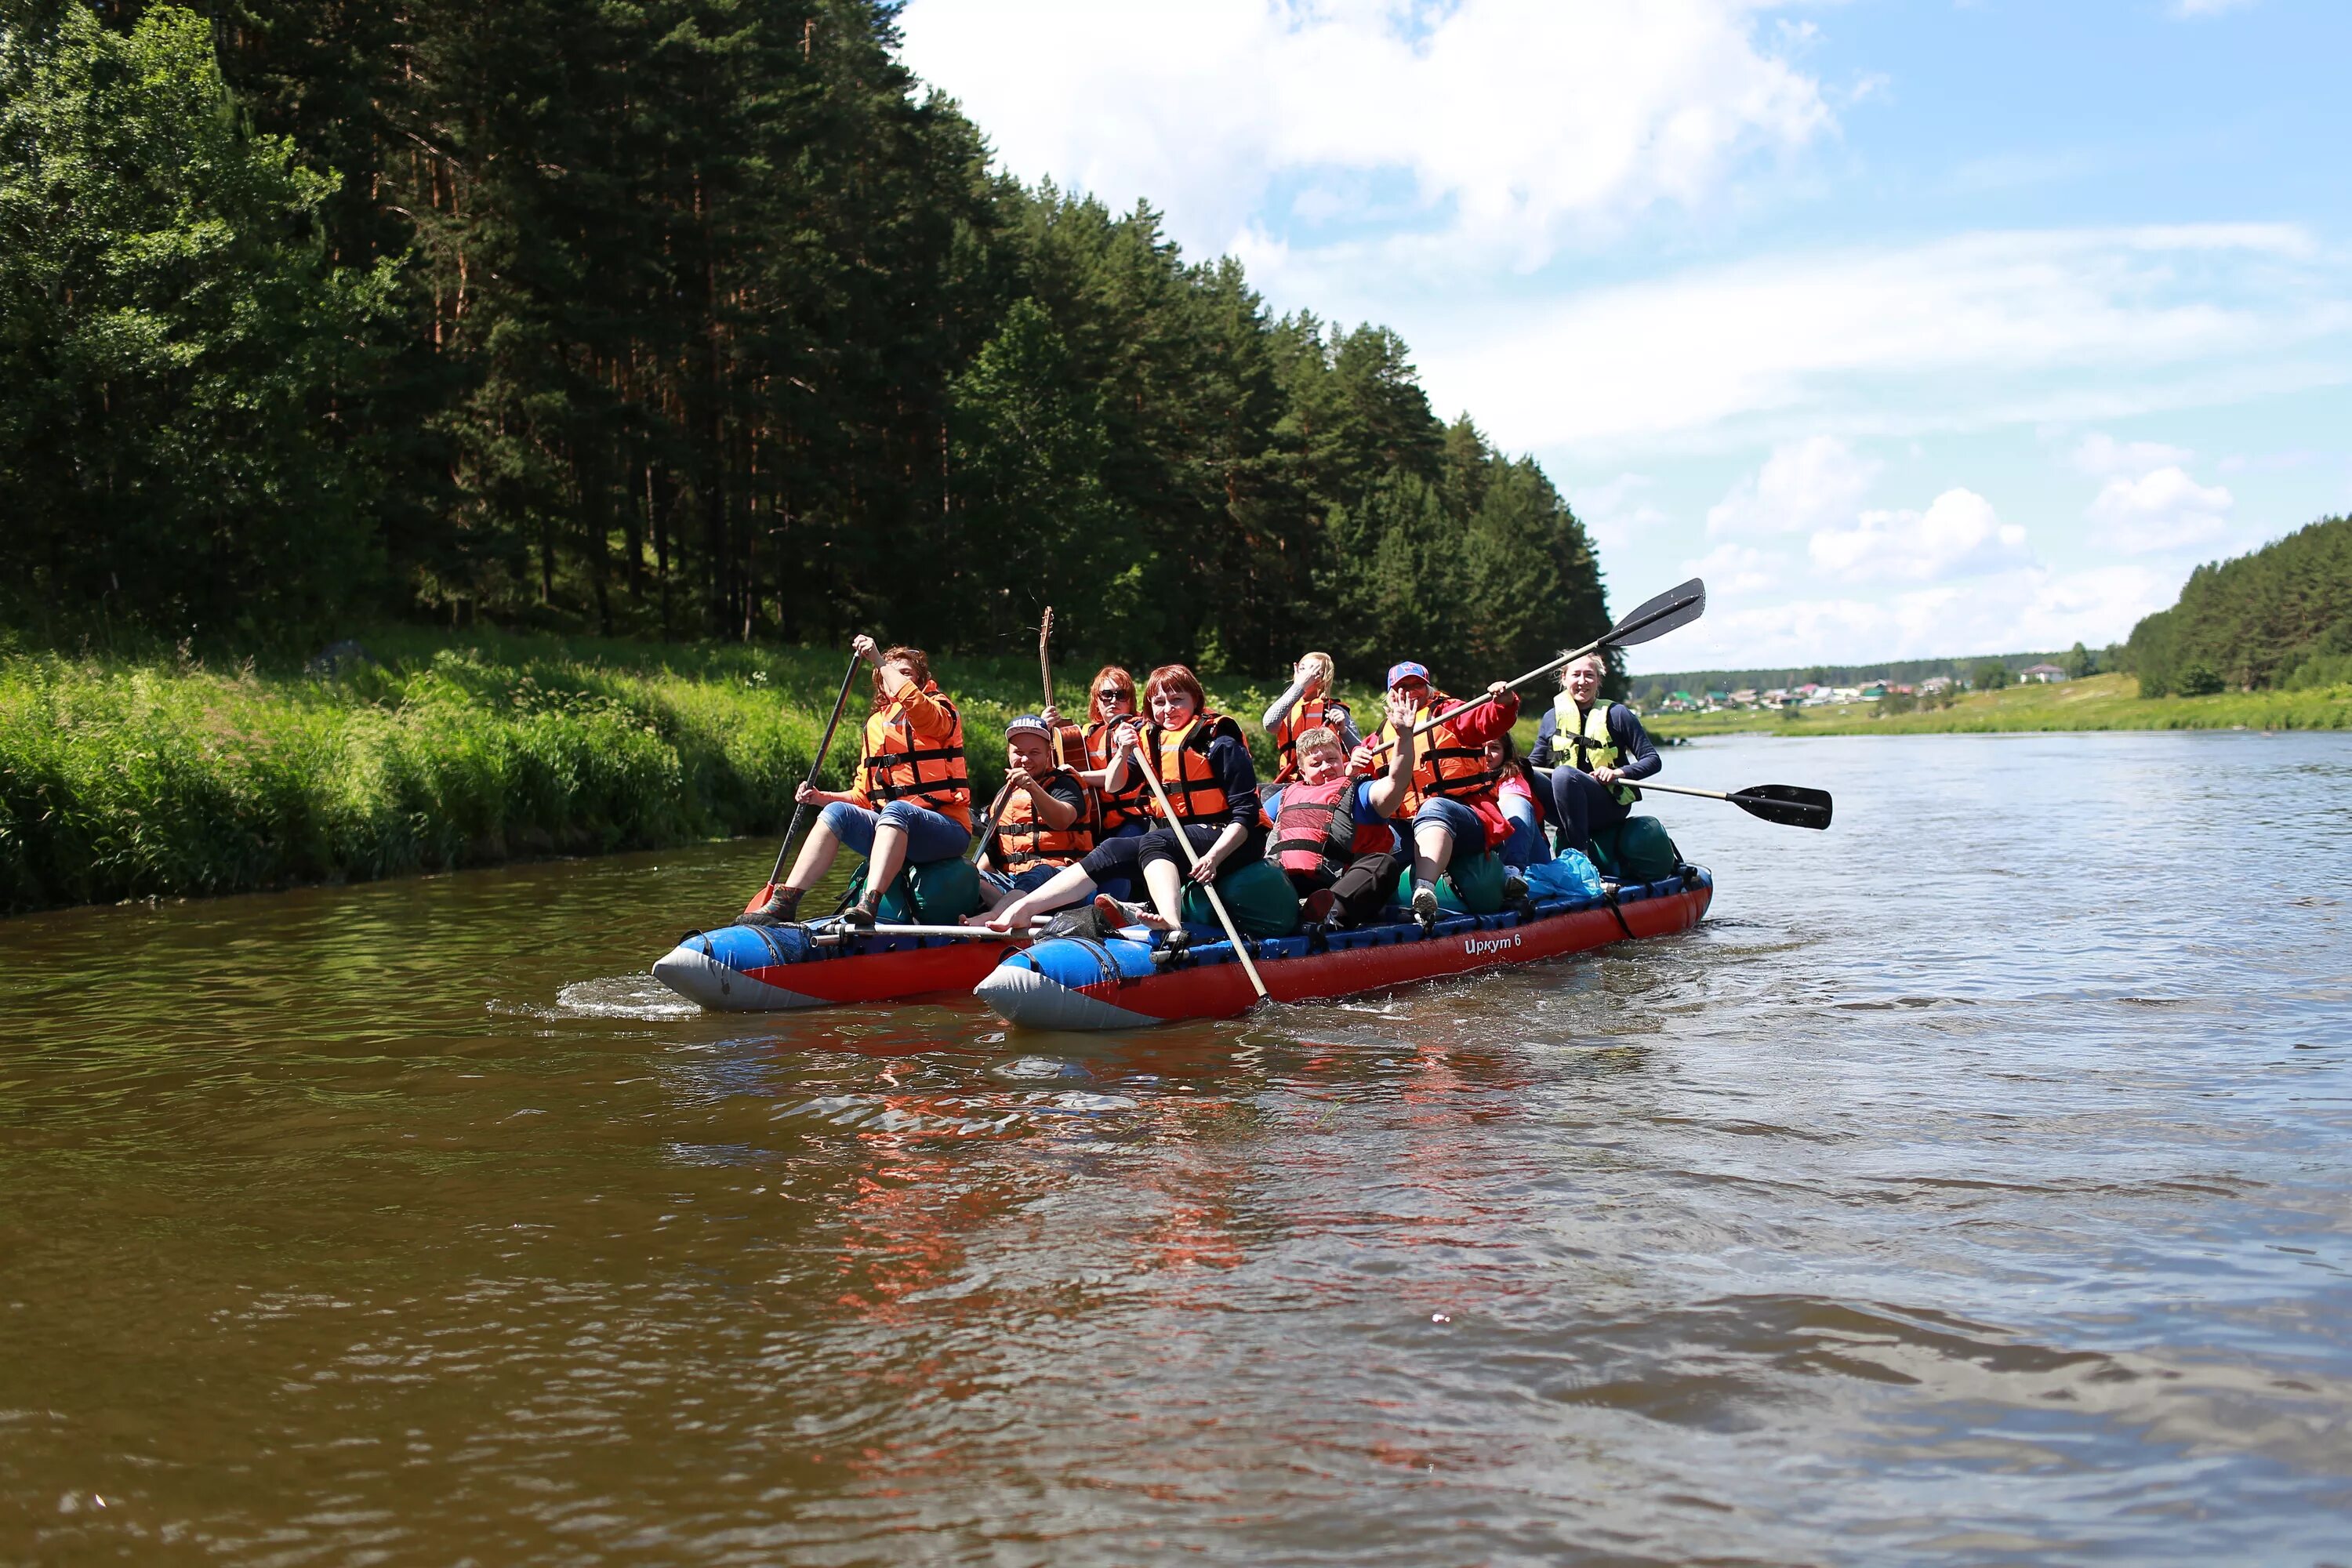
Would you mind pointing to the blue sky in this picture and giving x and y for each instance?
(1919, 329)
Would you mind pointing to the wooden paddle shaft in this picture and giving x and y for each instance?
(987, 826)
(1241, 950)
(815, 767)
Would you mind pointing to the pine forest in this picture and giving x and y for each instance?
(679, 318)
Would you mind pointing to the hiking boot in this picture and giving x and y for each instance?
(1515, 888)
(859, 916)
(782, 908)
(1424, 905)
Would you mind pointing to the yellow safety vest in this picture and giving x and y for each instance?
(1589, 742)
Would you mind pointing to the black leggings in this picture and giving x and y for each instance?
(1584, 806)
(1360, 893)
(1116, 857)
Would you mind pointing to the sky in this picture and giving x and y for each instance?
(1917, 329)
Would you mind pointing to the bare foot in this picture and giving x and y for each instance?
(1116, 915)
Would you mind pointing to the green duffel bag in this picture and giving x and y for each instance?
(1472, 885)
(936, 893)
(1258, 896)
(1636, 850)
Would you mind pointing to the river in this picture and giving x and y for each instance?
(1972, 1186)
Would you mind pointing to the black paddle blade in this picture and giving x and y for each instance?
(1674, 607)
(1791, 805)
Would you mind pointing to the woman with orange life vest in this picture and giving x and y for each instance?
(1047, 822)
(1118, 814)
(1111, 698)
(1306, 703)
(912, 800)
(1601, 749)
(1452, 798)
(1204, 768)
(1331, 837)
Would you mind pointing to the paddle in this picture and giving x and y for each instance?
(1677, 607)
(946, 933)
(801, 810)
(1185, 842)
(981, 834)
(1791, 806)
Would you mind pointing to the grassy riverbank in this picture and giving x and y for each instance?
(2098, 702)
(130, 778)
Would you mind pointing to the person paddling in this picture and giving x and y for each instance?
(1046, 821)
(1331, 835)
(912, 800)
(1118, 814)
(1212, 786)
(1306, 704)
(1595, 750)
(1452, 799)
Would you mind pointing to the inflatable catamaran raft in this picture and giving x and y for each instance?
(1122, 983)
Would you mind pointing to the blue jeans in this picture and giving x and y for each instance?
(1469, 829)
(1526, 846)
(929, 835)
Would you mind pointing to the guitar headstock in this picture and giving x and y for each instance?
(1046, 629)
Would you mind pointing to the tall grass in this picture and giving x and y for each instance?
(133, 777)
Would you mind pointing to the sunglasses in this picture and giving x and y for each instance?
(1111, 693)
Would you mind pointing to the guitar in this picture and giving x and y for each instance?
(1069, 740)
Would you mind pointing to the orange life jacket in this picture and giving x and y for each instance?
(1113, 811)
(1022, 841)
(1317, 833)
(1194, 791)
(901, 765)
(1304, 715)
(1443, 765)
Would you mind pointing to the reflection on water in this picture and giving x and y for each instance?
(1972, 1186)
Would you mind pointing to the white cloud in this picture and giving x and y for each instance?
(1617, 513)
(1513, 124)
(1960, 333)
(2102, 454)
(1802, 485)
(2013, 611)
(1959, 535)
(1735, 570)
(2161, 510)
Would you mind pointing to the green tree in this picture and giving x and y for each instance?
(1989, 675)
(1040, 527)
(172, 341)
(2078, 662)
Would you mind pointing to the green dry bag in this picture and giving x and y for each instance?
(1472, 885)
(1636, 850)
(937, 893)
(1258, 896)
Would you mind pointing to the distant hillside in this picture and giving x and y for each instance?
(2280, 617)
(1908, 671)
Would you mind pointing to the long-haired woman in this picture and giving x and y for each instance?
(912, 798)
(1205, 770)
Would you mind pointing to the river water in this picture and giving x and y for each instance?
(1973, 1187)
